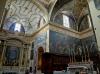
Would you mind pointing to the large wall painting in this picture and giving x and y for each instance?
(64, 44)
(97, 4)
(12, 56)
(89, 44)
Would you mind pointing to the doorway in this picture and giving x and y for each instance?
(40, 51)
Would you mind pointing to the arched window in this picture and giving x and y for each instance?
(66, 21)
(17, 27)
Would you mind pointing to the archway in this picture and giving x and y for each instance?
(40, 51)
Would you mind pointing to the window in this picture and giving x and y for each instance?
(97, 4)
(66, 22)
(17, 27)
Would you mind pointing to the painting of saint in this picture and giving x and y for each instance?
(97, 4)
(11, 55)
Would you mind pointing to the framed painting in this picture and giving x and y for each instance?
(12, 56)
(12, 52)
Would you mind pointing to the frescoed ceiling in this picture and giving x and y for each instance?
(29, 13)
(46, 3)
(25, 13)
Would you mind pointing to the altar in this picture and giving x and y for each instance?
(80, 68)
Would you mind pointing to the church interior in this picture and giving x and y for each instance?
(49, 37)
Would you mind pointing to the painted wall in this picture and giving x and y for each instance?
(40, 41)
(60, 43)
(89, 44)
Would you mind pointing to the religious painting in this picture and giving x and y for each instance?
(65, 44)
(97, 4)
(90, 44)
(12, 56)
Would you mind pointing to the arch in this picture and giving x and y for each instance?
(67, 13)
(81, 19)
(83, 15)
(42, 8)
(59, 5)
(40, 51)
(17, 39)
(59, 18)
